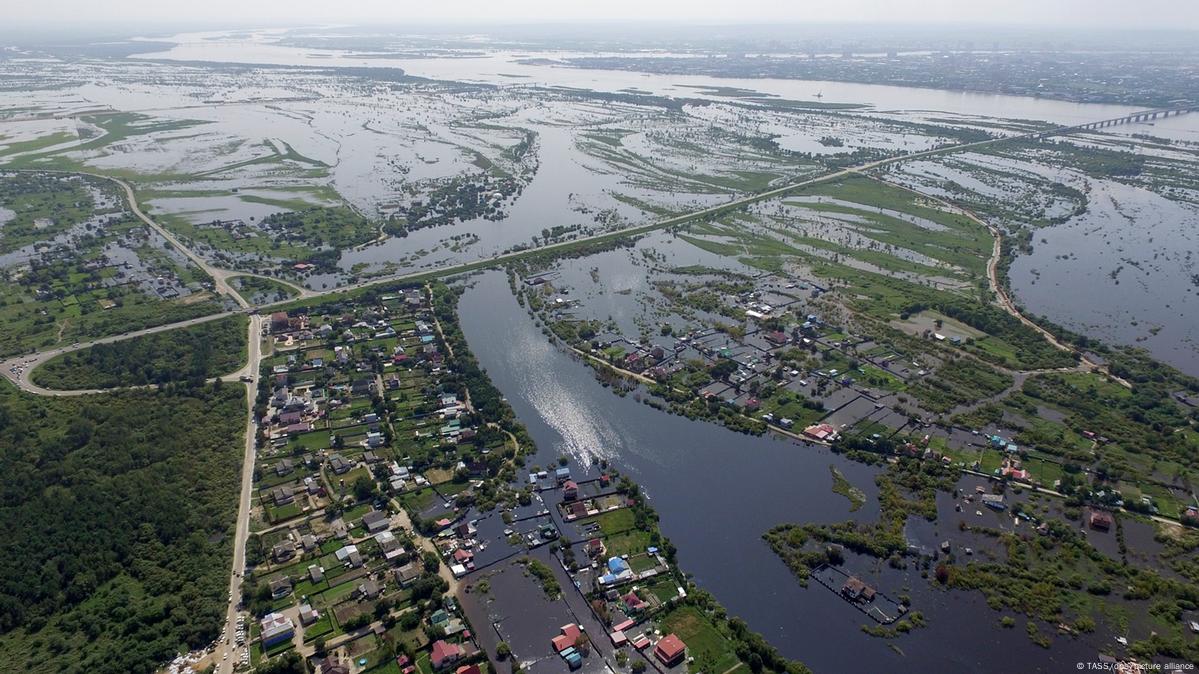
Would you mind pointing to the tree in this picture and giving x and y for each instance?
(364, 488)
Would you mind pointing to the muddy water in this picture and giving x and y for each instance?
(718, 491)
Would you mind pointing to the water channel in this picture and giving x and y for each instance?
(718, 491)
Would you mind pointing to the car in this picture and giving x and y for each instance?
(246, 378)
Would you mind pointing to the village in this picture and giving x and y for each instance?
(395, 530)
(784, 368)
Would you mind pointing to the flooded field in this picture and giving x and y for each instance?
(499, 150)
(1107, 225)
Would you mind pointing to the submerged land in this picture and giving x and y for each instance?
(341, 368)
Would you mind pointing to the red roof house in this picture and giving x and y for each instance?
(671, 650)
(568, 637)
(444, 654)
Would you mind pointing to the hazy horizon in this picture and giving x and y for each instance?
(1060, 15)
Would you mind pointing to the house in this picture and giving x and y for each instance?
(339, 465)
(283, 551)
(821, 432)
(376, 521)
(315, 573)
(568, 637)
(468, 669)
(993, 501)
(280, 321)
(282, 495)
(367, 589)
(407, 574)
(595, 548)
(280, 587)
(633, 603)
(855, 590)
(391, 546)
(1100, 520)
(1015, 472)
(309, 542)
(570, 490)
(370, 457)
(618, 572)
(308, 615)
(444, 654)
(578, 510)
(670, 650)
(349, 556)
(439, 617)
(362, 387)
(465, 557)
(298, 428)
(285, 466)
(1190, 516)
(562, 475)
(276, 628)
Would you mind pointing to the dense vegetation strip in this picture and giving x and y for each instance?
(194, 354)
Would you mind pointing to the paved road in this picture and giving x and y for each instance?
(221, 276)
(19, 368)
(242, 528)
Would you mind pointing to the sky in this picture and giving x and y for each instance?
(1176, 14)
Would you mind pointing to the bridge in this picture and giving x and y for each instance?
(1135, 117)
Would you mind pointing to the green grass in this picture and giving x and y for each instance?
(620, 535)
(713, 652)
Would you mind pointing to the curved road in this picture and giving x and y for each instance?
(20, 375)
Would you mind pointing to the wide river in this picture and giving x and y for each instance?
(506, 68)
(717, 492)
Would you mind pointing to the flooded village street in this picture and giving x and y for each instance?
(718, 491)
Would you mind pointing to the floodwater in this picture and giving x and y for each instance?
(1108, 275)
(717, 492)
(503, 68)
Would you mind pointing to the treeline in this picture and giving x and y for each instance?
(1032, 350)
(116, 511)
(193, 354)
(321, 226)
(1145, 421)
(959, 382)
(486, 398)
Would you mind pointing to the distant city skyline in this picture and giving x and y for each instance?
(1120, 14)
